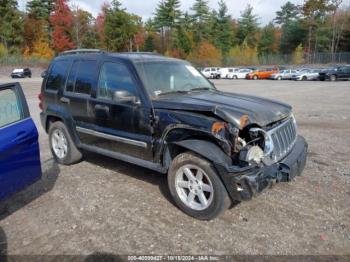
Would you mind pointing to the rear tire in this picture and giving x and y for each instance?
(196, 188)
(333, 78)
(62, 146)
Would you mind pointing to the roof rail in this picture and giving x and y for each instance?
(141, 53)
(81, 51)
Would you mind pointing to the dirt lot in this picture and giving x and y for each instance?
(103, 205)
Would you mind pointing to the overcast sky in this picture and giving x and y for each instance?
(266, 9)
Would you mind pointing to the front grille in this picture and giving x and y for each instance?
(284, 137)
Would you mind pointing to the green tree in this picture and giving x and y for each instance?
(120, 28)
(247, 27)
(222, 29)
(11, 25)
(267, 40)
(289, 12)
(166, 19)
(293, 33)
(39, 9)
(201, 20)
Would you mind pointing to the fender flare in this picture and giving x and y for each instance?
(66, 119)
(207, 150)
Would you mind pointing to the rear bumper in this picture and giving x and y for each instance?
(243, 184)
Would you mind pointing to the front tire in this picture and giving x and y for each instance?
(333, 78)
(62, 146)
(255, 77)
(196, 188)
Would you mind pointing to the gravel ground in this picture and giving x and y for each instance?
(106, 206)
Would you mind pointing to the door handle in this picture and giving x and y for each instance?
(21, 136)
(102, 108)
(65, 100)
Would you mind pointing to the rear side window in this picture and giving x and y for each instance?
(57, 76)
(10, 107)
(81, 77)
(85, 79)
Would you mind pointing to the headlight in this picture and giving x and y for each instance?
(254, 153)
(269, 146)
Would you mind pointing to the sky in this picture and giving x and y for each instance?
(265, 9)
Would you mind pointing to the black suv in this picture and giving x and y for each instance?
(160, 113)
(337, 73)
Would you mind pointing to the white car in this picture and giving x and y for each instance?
(311, 74)
(240, 74)
(284, 74)
(211, 72)
(226, 72)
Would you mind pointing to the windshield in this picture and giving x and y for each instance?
(166, 77)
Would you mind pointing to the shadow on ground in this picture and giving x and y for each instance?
(131, 170)
(49, 176)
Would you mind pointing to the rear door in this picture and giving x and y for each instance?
(82, 78)
(19, 148)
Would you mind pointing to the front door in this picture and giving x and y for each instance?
(121, 125)
(19, 148)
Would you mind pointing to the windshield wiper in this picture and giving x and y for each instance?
(174, 92)
(201, 89)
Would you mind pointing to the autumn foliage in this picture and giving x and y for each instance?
(206, 54)
(62, 21)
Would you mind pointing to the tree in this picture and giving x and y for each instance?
(40, 9)
(205, 54)
(167, 17)
(201, 20)
(298, 55)
(289, 12)
(82, 24)
(222, 28)
(293, 33)
(41, 49)
(11, 24)
(62, 22)
(100, 25)
(149, 45)
(267, 41)
(247, 27)
(120, 28)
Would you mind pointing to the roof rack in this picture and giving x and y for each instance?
(81, 51)
(141, 53)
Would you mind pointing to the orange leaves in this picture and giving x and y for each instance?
(206, 54)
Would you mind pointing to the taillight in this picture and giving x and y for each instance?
(41, 97)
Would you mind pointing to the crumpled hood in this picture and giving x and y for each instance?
(228, 106)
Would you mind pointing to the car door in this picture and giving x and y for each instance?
(19, 148)
(121, 125)
(81, 80)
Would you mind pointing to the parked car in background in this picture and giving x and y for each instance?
(19, 148)
(309, 74)
(161, 113)
(338, 73)
(284, 74)
(212, 72)
(226, 72)
(240, 74)
(21, 73)
(262, 73)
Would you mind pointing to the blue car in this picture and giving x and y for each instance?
(19, 147)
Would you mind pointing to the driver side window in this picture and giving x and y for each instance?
(114, 77)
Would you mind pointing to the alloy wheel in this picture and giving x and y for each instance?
(194, 188)
(59, 144)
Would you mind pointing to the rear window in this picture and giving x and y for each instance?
(58, 74)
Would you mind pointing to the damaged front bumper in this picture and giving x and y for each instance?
(244, 183)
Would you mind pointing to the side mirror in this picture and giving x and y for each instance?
(43, 74)
(124, 96)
